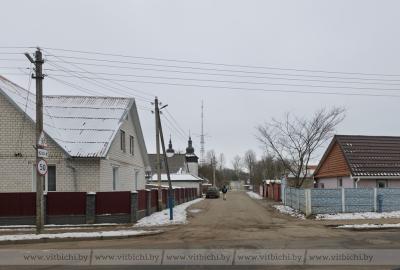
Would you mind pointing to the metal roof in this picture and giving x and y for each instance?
(175, 163)
(82, 126)
(376, 156)
(177, 177)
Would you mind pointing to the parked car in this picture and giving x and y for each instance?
(212, 192)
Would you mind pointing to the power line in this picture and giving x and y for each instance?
(242, 82)
(232, 75)
(176, 122)
(88, 91)
(97, 83)
(221, 64)
(222, 70)
(114, 82)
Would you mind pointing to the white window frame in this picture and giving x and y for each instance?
(46, 179)
(131, 145)
(122, 137)
(115, 177)
(136, 175)
(339, 182)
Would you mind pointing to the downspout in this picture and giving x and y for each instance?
(356, 181)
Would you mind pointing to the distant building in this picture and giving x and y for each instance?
(308, 182)
(360, 161)
(182, 163)
(94, 143)
(184, 169)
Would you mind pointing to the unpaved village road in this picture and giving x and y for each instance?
(242, 222)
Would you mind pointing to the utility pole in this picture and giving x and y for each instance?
(158, 160)
(213, 167)
(40, 174)
(170, 190)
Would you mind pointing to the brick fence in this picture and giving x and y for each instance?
(86, 207)
(342, 200)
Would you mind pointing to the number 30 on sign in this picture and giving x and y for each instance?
(42, 167)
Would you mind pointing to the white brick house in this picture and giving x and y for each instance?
(94, 143)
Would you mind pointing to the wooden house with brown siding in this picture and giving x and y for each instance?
(360, 161)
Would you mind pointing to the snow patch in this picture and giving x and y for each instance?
(19, 237)
(254, 195)
(287, 210)
(369, 226)
(364, 215)
(162, 218)
(195, 210)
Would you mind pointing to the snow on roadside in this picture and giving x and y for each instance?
(162, 218)
(364, 215)
(254, 195)
(287, 210)
(19, 237)
(369, 226)
(195, 210)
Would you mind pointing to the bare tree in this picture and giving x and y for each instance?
(294, 140)
(221, 161)
(250, 160)
(212, 160)
(237, 165)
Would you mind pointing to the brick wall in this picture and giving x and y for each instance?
(17, 135)
(127, 164)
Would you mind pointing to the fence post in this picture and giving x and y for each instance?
(298, 198)
(90, 207)
(134, 206)
(375, 199)
(148, 203)
(307, 198)
(45, 207)
(343, 201)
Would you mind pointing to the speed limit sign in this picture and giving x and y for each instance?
(42, 167)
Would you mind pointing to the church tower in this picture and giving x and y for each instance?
(192, 161)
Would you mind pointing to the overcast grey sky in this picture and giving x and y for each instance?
(346, 36)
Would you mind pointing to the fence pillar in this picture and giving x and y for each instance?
(134, 206)
(45, 207)
(148, 202)
(374, 199)
(307, 198)
(90, 207)
(343, 201)
(298, 199)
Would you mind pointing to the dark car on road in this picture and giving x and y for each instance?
(212, 192)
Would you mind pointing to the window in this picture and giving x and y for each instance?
(131, 145)
(123, 141)
(340, 182)
(381, 183)
(115, 178)
(50, 180)
(136, 179)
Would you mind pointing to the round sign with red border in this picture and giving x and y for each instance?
(42, 167)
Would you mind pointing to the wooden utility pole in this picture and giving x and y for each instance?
(158, 160)
(40, 177)
(170, 190)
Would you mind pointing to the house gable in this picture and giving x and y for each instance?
(333, 164)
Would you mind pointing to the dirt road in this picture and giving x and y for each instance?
(242, 222)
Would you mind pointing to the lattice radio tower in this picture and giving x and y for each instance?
(202, 141)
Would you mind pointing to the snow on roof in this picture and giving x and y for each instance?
(81, 126)
(178, 177)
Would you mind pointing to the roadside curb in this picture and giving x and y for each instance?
(70, 239)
